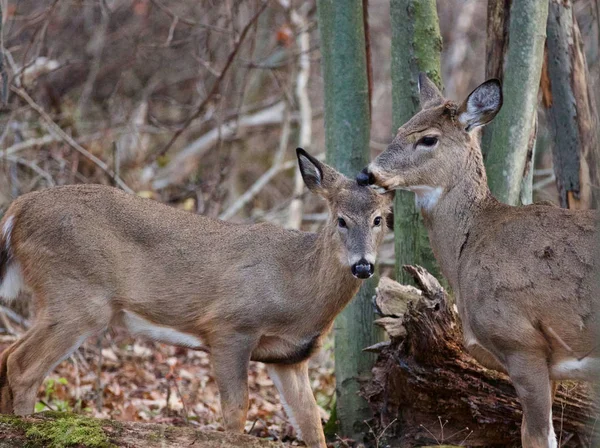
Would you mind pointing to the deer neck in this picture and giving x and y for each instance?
(329, 280)
(450, 213)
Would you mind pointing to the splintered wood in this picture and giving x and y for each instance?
(427, 390)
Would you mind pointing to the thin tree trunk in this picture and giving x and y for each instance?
(416, 47)
(572, 111)
(347, 127)
(516, 35)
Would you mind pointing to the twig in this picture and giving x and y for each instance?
(300, 23)
(69, 140)
(31, 166)
(185, 410)
(99, 395)
(216, 84)
(6, 323)
(47, 405)
(544, 182)
(265, 178)
(15, 317)
(184, 161)
(99, 39)
(188, 22)
(47, 139)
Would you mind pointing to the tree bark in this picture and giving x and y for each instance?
(572, 111)
(516, 35)
(62, 429)
(416, 47)
(426, 384)
(347, 128)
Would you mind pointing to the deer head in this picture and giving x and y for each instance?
(357, 214)
(430, 151)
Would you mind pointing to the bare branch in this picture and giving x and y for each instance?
(216, 84)
(69, 140)
(265, 178)
(187, 159)
(300, 23)
(32, 166)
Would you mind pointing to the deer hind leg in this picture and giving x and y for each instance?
(230, 361)
(40, 351)
(530, 376)
(6, 396)
(293, 384)
(57, 332)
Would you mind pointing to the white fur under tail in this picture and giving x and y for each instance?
(12, 281)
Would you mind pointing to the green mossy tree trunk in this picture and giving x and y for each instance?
(416, 47)
(347, 127)
(510, 139)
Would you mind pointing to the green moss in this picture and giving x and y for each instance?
(154, 437)
(14, 421)
(427, 40)
(67, 430)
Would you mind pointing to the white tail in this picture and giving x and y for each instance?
(11, 277)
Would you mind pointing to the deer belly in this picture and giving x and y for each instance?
(280, 350)
(586, 369)
(138, 326)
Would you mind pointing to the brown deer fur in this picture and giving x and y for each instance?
(523, 276)
(94, 257)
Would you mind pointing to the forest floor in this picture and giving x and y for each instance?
(127, 379)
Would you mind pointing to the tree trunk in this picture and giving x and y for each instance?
(515, 48)
(427, 390)
(416, 47)
(572, 111)
(347, 127)
(59, 429)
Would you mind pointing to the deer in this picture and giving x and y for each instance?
(95, 257)
(524, 277)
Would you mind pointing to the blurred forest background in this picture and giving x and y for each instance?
(199, 104)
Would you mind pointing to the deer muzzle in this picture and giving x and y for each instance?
(363, 269)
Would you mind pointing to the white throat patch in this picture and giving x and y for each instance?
(426, 197)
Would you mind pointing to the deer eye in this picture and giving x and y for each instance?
(427, 141)
(377, 221)
(342, 223)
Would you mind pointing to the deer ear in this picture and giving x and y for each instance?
(482, 105)
(311, 170)
(429, 94)
(319, 177)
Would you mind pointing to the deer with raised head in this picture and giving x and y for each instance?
(523, 277)
(94, 257)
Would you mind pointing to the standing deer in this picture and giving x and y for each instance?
(523, 276)
(95, 257)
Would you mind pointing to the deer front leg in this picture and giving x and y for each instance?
(230, 365)
(293, 384)
(529, 374)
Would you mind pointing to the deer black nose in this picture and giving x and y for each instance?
(362, 269)
(365, 177)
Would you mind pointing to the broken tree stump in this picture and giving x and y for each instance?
(427, 390)
(58, 430)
